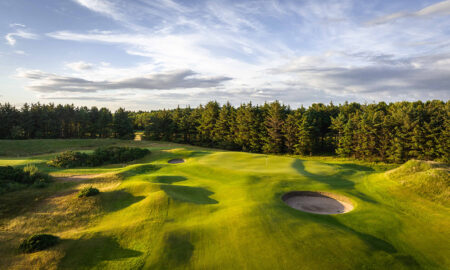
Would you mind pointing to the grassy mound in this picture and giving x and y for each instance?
(38, 242)
(430, 180)
(88, 191)
(101, 156)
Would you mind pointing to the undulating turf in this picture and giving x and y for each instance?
(223, 210)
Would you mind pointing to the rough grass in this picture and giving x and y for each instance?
(431, 180)
(223, 210)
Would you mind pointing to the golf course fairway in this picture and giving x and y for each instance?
(223, 210)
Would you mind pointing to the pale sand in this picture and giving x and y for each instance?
(176, 161)
(318, 203)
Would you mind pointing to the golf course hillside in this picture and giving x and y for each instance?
(177, 206)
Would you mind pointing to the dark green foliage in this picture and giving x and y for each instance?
(15, 178)
(101, 156)
(87, 192)
(38, 242)
(40, 121)
(116, 154)
(274, 122)
(69, 159)
(393, 132)
(122, 125)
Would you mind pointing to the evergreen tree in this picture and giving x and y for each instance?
(222, 132)
(122, 125)
(274, 120)
(304, 143)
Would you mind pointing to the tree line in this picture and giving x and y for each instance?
(393, 132)
(47, 121)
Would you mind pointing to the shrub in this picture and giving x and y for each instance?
(16, 178)
(69, 159)
(88, 191)
(38, 242)
(8, 173)
(100, 156)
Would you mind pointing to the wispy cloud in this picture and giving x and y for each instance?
(441, 8)
(79, 66)
(289, 50)
(104, 7)
(11, 37)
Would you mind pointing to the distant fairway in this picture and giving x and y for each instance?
(218, 210)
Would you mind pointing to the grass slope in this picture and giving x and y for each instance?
(429, 179)
(222, 210)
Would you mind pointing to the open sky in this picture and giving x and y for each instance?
(149, 54)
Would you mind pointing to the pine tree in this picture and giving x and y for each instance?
(304, 137)
(291, 130)
(274, 120)
(222, 132)
(122, 125)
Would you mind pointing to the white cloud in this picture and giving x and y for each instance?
(441, 8)
(17, 25)
(290, 50)
(79, 66)
(101, 6)
(11, 37)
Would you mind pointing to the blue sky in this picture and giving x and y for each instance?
(144, 54)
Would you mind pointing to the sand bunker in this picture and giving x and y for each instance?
(318, 202)
(176, 161)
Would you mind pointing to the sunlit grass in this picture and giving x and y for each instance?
(222, 210)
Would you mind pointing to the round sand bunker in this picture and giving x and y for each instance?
(176, 161)
(318, 202)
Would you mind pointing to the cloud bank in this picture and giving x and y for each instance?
(47, 83)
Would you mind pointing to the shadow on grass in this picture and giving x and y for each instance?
(90, 252)
(117, 200)
(177, 251)
(333, 181)
(142, 169)
(168, 179)
(337, 181)
(373, 242)
(195, 195)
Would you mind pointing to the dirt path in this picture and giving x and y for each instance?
(81, 177)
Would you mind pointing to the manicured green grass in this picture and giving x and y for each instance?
(223, 210)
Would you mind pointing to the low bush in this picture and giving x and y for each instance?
(15, 178)
(38, 242)
(69, 159)
(101, 156)
(88, 191)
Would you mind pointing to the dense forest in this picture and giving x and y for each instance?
(393, 132)
(40, 121)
